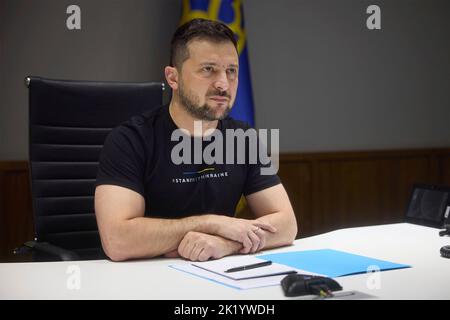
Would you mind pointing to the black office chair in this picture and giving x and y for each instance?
(68, 123)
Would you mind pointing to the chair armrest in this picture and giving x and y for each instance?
(62, 254)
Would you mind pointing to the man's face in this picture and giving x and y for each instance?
(209, 79)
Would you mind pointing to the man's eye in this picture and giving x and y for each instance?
(208, 69)
(232, 71)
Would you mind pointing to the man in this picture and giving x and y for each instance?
(147, 206)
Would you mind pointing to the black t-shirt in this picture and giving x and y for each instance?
(137, 155)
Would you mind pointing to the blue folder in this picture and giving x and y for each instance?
(331, 263)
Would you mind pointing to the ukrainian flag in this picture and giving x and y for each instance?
(229, 12)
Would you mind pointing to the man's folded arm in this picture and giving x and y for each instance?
(127, 234)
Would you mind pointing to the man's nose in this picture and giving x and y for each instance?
(221, 82)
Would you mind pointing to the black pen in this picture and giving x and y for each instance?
(250, 266)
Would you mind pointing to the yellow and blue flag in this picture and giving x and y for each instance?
(229, 12)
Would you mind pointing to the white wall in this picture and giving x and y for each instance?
(119, 40)
(318, 74)
(329, 83)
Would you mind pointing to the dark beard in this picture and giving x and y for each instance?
(204, 112)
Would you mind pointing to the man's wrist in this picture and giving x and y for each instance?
(209, 223)
(231, 246)
(235, 247)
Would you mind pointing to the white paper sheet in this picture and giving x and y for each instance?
(237, 284)
(221, 265)
(230, 262)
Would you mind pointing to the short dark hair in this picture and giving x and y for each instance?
(197, 29)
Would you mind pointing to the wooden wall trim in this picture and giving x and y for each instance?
(16, 218)
(333, 190)
(13, 166)
(365, 154)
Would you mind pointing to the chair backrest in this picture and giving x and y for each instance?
(68, 124)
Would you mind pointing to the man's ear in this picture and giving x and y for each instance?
(171, 74)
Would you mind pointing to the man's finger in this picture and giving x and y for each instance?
(255, 241)
(190, 250)
(181, 247)
(247, 245)
(196, 252)
(247, 242)
(203, 256)
(262, 236)
(265, 226)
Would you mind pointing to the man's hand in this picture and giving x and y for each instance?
(247, 232)
(262, 235)
(197, 246)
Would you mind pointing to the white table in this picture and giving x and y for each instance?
(429, 277)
